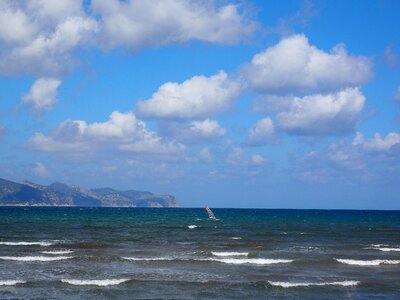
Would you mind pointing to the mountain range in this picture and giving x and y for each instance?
(59, 194)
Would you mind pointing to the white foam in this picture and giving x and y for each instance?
(387, 249)
(57, 252)
(230, 253)
(35, 258)
(253, 261)
(306, 284)
(383, 247)
(192, 226)
(374, 262)
(103, 282)
(148, 258)
(11, 282)
(236, 238)
(43, 244)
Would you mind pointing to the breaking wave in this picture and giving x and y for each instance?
(58, 252)
(11, 282)
(383, 247)
(192, 226)
(230, 253)
(104, 282)
(149, 258)
(253, 261)
(35, 258)
(43, 244)
(374, 262)
(307, 284)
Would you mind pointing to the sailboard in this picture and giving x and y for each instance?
(211, 215)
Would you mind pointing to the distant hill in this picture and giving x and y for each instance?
(60, 194)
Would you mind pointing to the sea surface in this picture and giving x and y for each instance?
(169, 253)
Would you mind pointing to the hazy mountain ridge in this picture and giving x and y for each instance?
(60, 194)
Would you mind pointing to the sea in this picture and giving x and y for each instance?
(178, 253)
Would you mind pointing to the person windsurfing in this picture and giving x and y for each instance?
(211, 215)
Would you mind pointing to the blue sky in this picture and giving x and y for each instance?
(270, 104)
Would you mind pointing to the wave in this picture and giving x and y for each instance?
(236, 261)
(98, 282)
(58, 252)
(149, 258)
(252, 261)
(230, 253)
(43, 244)
(11, 282)
(374, 262)
(307, 284)
(383, 247)
(192, 226)
(35, 258)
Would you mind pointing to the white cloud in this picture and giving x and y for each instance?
(43, 36)
(390, 57)
(40, 169)
(360, 160)
(196, 97)
(293, 65)
(377, 144)
(330, 114)
(396, 96)
(195, 132)
(3, 132)
(137, 24)
(123, 131)
(205, 155)
(43, 94)
(258, 160)
(263, 132)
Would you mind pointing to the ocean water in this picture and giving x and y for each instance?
(144, 253)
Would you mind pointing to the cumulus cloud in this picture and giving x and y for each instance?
(241, 162)
(41, 37)
(3, 132)
(43, 94)
(329, 114)
(377, 144)
(293, 66)
(40, 169)
(44, 35)
(262, 133)
(123, 131)
(195, 132)
(396, 96)
(137, 24)
(196, 97)
(362, 159)
(390, 57)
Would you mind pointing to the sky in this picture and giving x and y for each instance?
(262, 104)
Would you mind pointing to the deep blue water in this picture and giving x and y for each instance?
(141, 253)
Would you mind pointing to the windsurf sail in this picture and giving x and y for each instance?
(210, 214)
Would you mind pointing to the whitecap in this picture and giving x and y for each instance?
(148, 258)
(306, 284)
(98, 282)
(374, 262)
(35, 258)
(236, 238)
(229, 253)
(11, 282)
(43, 244)
(192, 226)
(58, 252)
(383, 247)
(253, 261)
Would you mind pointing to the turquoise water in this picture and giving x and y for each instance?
(141, 253)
